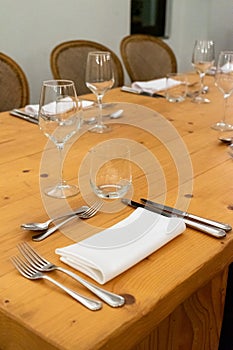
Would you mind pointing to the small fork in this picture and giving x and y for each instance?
(31, 273)
(41, 264)
(91, 211)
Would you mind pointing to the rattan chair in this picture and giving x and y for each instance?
(13, 84)
(68, 61)
(146, 57)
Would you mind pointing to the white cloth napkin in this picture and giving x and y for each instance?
(152, 86)
(106, 254)
(34, 109)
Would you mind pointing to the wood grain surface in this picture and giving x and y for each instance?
(175, 297)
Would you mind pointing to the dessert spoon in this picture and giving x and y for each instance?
(40, 226)
(114, 115)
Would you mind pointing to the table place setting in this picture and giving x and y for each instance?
(173, 87)
(30, 112)
(150, 87)
(112, 251)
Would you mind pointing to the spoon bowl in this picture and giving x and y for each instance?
(227, 140)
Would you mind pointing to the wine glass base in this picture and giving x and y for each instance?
(221, 126)
(100, 128)
(62, 191)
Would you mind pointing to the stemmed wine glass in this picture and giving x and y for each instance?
(59, 119)
(224, 82)
(99, 79)
(202, 61)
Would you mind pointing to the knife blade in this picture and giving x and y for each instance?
(210, 230)
(186, 215)
(140, 92)
(22, 116)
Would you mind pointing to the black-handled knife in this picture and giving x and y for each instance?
(186, 215)
(24, 117)
(140, 92)
(210, 230)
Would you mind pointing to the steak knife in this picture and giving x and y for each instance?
(210, 230)
(186, 215)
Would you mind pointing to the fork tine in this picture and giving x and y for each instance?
(94, 208)
(30, 254)
(22, 266)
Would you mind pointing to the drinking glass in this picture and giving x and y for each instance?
(99, 79)
(59, 119)
(110, 169)
(202, 61)
(224, 82)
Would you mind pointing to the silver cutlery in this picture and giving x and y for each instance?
(91, 211)
(43, 265)
(186, 215)
(24, 116)
(40, 226)
(26, 270)
(115, 115)
(210, 230)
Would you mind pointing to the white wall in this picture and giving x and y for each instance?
(199, 19)
(29, 29)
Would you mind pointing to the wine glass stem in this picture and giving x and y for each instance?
(60, 148)
(100, 105)
(225, 107)
(202, 75)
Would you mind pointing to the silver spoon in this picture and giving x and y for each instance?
(40, 226)
(227, 140)
(114, 115)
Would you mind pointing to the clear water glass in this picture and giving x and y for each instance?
(110, 169)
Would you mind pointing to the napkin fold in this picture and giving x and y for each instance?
(108, 253)
(34, 109)
(152, 86)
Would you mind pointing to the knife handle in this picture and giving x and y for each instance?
(217, 224)
(210, 230)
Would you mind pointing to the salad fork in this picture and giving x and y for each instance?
(31, 273)
(88, 213)
(41, 264)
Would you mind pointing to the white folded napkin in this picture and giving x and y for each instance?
(106, 254)
(152, 86)
(34, 109)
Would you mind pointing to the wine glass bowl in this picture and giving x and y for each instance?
(59, 120)
(202, 61)
(224, 82)
(99, 79)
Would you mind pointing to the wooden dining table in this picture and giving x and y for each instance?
(175, 297)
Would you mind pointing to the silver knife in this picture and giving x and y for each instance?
(186, 215)
(210, 230)
(25, 117)
(140, 92)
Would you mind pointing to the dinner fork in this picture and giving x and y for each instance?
(41, 264)
(91, 211)
(31, 273)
